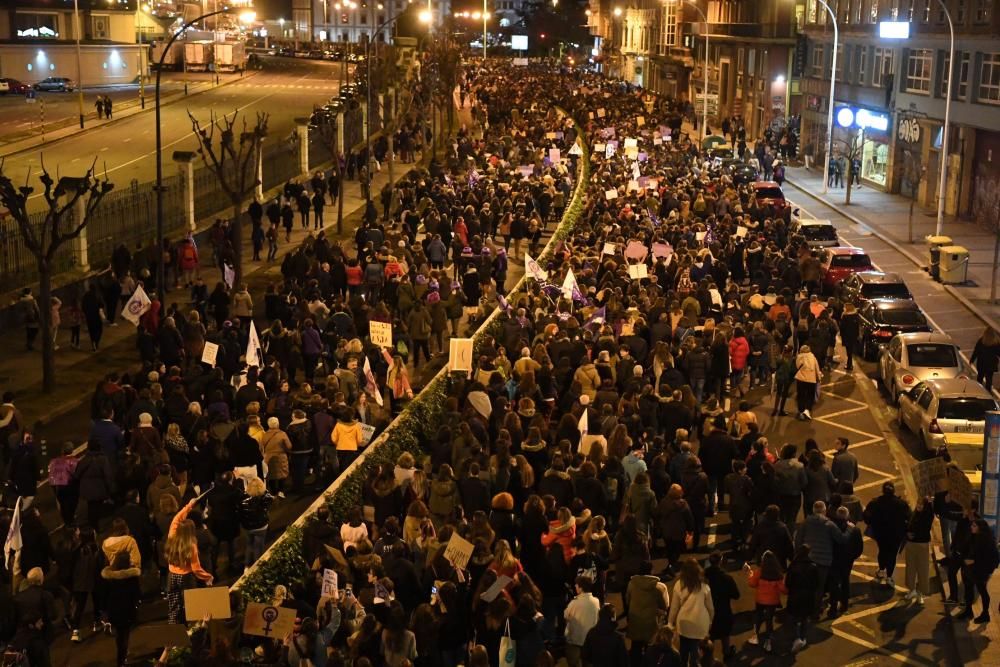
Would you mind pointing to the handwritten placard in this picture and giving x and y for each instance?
(367, 431)
(609, 249)
(638, 271)
(210, 353)
(610, 194)
(458, 551)
(265, 620)
(381, 333)
(460, 354)
(329, 589)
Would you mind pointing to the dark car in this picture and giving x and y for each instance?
(739, 171)
(881, 319)
(866, 285)
(56, 83)
(768, 193)
(13, 86)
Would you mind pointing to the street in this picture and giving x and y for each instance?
(126, 149)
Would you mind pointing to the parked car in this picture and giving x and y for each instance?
(818, 233)
(910, 358)
(866, 285)
(881, 319)
(768, 193)
(56, 83)
(739, 171)
(840, 262)
(15, 86)
(936, 408)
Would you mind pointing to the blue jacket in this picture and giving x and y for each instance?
(110, 436)
(820, 534)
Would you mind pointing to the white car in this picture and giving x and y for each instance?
(818, 233)
(910, 358)
(934, 408)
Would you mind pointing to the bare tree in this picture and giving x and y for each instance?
(62, 223)
(987, 205)
(913, 176)
(445, 62)
(232, 152)
(852, 151)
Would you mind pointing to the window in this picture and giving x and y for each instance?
(811, 9)
(883, 68)
(740, 57)
(670, 24)
(963, 77)
(960, 13)
(859, 8)
(860, 63)
(839, 67)
(918, 71)
(989, 79)
(37, 25)
(873, 12)
(816, 61)
(751, 61)
(984, 11)
(925, 12)
(100, 25)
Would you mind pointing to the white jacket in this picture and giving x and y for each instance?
(691, 612)
(581, 617)
(807, 367)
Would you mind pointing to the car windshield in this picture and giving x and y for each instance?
(902, 317)
(970, 409)
(931, 355)
(850, 261)
(885, 291)
(770, 193)
(819, 232)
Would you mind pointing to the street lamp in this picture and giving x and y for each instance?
(947, 120)
(829, 105)
(79, 67)
(704, 112)
(161, 271)
(141, 10)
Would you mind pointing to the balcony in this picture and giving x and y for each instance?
(746, 30)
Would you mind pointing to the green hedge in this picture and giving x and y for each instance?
(419, 421)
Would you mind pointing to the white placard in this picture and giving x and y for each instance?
(460, 354)
(600, 113)
(611, 194)
(367, 431)
(609, 249)
(554, 156)
(210, 354)
(741, 231)
(637, 271)
(329, 583)
(380, 333)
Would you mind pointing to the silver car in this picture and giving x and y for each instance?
(936, 407)
(910, 358)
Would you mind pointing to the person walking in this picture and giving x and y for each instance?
(887, 517)
(844, 555)
(807, 377)
(769, 585)
(84, 581)
(67, 489)
(96, 481)
(784, 375)
(107, 107)
(821, 535)
(122, 595)
(724, 591)
(917, 550)
(850, 327)
(276, 447)
(34, 613)
(985, 356)
(253, 516)
(980, 562)
(581, 616)
(645, 598)
(691, 610)
(790, 481)
(845, 464)
(99, 107)
(802, 582)
(30, 316)
(183, 563)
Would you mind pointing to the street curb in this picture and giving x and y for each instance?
(131, 112)
(898, 247)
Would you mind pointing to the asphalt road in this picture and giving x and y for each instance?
(126, 150)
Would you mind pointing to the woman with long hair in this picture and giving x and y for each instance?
(399, 644)
(254, 519)
(981, 561)
(122, 594)
(768, 582)
(183, 563)
(691, 610)
(985, 357)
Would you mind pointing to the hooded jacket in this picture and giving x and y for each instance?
(646, 596)
(562, 534)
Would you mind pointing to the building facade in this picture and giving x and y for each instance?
(351, 21)
(899, 86)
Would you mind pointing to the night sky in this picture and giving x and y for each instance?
(272, 9)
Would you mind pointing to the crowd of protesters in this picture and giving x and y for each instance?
(591, 438)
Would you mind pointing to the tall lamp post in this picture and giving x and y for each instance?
(704, 92)
(829, 104)
(616, 14)
(160, 269)
(79, 66)
(947, 121)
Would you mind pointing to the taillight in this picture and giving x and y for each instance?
(909, 379)
(934, 428)
(882, 333)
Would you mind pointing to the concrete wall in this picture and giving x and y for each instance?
(100, 64)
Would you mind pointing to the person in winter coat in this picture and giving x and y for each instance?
(276, 447)
(253, 518)
(122, 595)
(645, 598)
(717, 452)
(641, 502)
(739, 487)
(771, 534)
(96, 481)
(589, 379)
(802, 582)
(695, 484)
(34, 613)
(86, 559)
(769, 585)
(604, 644)
(223, 505)
(887, 517)
(691, 610)
(807, 377)
(821, 535)
(981, 560)
(917, 550)
(985, 356)
(739, 353)
(724, 591)
(675, 522)
(444, 496)
(562, 532)
(183, 563)
(784, 375)
(300, 435)
(844, 555)
(347, 437)
(419, 324)
(850, 328)
(23, 470)
(790, 481)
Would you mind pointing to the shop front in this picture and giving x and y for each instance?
(864, 135)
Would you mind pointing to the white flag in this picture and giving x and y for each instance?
(228, 275)
(137, 304)
(583, 425)
(569, 285)
(13, 541)
(532, 268)
(371, 387)
(255, 354)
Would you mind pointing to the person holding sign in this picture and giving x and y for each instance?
(182, 561)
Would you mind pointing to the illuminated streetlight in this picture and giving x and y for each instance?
(248, 17)
(618, 11)
(425, 16)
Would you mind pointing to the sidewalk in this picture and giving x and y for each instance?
(194, 83)
(78, 370)
(887, 216)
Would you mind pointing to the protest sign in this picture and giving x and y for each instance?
(491, 593)
(587, 443)
(640, 121)
(741, 231)
(600, 113)
(554, 156)
(460, 354)
(662, 250)
(575, 150)
(929, 476)
(380, 333)
(329, 589)
(636, 250)
(633, 186)
(367, 431)
(638, 271)
(631, 142)
(210, 353)
(959, 486)
(458, 551)
(609, 249)
(265, 620)
(202, 602)
(610, 194)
